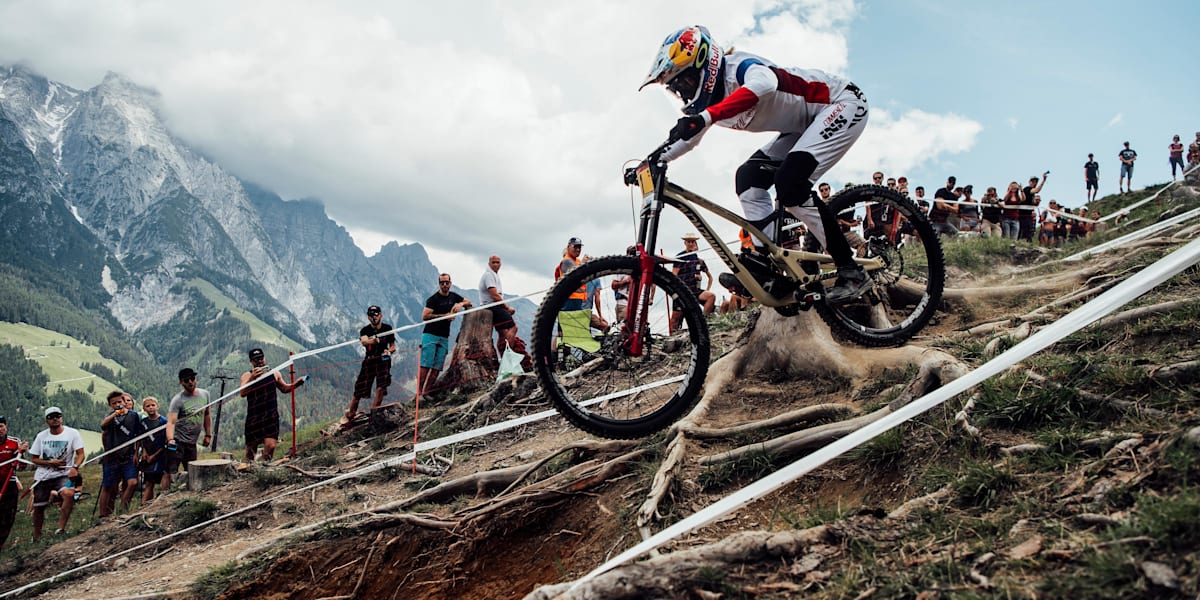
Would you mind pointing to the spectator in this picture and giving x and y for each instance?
(1127, 156)
(736, 301)
(1099, 226)
(262, 405)
(620, 287)
(1175, 148)
(1194, 150)
(902, 186)
(183, 432)
(989, 226)
(58, 452)
(153, 462)
(593, 291)
(943, 208)
(1010, 224)
(968, 210)
(11, 449)
(891, 182)
(379, 343)
(691, 269)
(846, 221)
(1091, 177)
(435, 338)
(1082, 226)
(491, 291)
(1029, 197)
(1049, 222)
(118, 463)
(877, 178)
(570, 260)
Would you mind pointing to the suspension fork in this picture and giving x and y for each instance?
(637, 320)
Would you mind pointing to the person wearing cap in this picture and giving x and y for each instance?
(1091, 177)
(11, 450)
(435, 337)
(570, 260)
(379, 343)
(57, 451)
(117, 428)
(944, 207)
(1125, 182)
(260, 388)
(690, 268)
(183, 432)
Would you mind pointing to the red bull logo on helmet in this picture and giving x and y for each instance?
(683, 51)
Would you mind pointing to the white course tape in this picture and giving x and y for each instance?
(1151, 198)
(395, 461)
(1135, 235)
(1102, 305)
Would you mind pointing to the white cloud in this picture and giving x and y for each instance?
(1116, 120)
(1012, 122)
(471, 128)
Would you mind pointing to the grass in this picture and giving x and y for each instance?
(193, 511)
(60, 356)
(258, 329)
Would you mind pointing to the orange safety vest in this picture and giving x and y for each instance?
(579, 294)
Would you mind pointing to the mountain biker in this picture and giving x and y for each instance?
(818, 116)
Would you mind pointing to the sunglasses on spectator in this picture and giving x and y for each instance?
(55, 416)
(444, 281)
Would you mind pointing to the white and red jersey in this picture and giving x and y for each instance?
(761, 96)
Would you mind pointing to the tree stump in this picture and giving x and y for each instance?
(473, 361)
(209, 472)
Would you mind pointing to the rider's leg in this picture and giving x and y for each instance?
(752, 182)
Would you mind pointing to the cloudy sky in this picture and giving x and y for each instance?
(480, 128)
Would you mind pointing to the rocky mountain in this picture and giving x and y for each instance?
(96, 189)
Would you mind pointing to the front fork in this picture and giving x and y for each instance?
(637, 314)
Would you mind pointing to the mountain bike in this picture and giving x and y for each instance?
(642, 374)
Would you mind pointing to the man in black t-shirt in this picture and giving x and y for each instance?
(380, 343)
(944, 206)
(1029, 197)
(690, 268)
(1091, 177)
(435, 339)
(1126, 156)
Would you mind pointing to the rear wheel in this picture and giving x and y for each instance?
(908, 290)
(593, 379)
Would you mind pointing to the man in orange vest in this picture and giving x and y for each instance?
(570, 259)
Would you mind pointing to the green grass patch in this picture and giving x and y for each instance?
(981, 485)
(258, 329)
(193, 511)
(60, 356)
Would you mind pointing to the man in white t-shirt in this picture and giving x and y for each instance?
(491, 290)
(58, 452)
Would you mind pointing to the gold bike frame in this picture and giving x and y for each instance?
(686, 202)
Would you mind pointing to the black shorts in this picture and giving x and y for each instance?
(184, 453)
(373, 370)
(1093, 184)
(501, 318)
(42, 489)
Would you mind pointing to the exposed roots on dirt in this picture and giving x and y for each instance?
(803, 347)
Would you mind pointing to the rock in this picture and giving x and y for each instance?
(121, 562)
(1026, 549)
(1160, 574)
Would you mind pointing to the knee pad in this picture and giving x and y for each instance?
(792, 184)
(757, 172)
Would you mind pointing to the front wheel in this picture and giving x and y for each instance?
(591, 376)
(907, 291)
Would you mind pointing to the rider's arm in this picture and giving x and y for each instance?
(757, 81)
